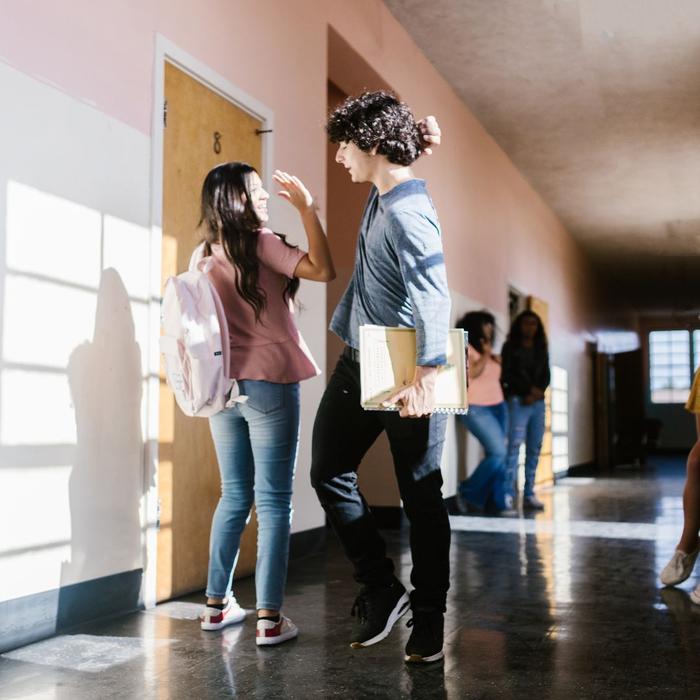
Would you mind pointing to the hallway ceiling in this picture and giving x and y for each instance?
(597, 102)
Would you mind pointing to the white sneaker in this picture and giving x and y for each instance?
(270, 632)
(533, 503)
(695, 595)
(679, 568)
(214, 619)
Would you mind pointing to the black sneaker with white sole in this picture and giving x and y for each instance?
(425, 643)
(377, 611)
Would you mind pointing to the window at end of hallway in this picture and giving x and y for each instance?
(671, 364)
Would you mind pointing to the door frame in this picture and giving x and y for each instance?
(167, 51)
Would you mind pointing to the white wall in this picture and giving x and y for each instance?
(569, 352)
(74, 273)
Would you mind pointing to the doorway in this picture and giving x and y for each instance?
(202, 128)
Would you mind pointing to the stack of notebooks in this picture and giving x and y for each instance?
(388, 362)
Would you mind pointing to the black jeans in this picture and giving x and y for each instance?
(343, 432)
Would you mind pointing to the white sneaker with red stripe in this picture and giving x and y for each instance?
(270, 632)
(214, 619)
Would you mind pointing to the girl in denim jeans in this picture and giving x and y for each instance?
(256, 274)
(525, 378)
(487, 419)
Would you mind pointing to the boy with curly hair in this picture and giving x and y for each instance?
(399, 280)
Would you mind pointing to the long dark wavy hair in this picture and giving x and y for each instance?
(228, 218)
(473, 322)
(515, 336)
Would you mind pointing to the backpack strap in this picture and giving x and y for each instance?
(200, 263)
(196, 257)
(205, 264)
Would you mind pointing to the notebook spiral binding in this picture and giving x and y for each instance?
(452, 411)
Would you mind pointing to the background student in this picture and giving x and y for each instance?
(682, 562)
(487, 420)
(525, 376)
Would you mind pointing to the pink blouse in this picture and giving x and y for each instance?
(271, 349)
(485, 390)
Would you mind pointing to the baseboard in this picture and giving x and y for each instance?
(35, 617)
(583, 469)
(307, 543)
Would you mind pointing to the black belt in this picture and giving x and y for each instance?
(352, 354)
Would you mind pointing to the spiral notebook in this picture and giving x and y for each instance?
(388, 361)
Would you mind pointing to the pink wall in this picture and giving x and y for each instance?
(495, 226)
(103, 54)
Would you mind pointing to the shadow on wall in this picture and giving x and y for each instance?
(107, 481)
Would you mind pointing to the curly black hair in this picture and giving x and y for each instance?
(474, 322)
(515, 336)
(377, 119)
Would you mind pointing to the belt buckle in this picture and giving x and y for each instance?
(352, 354)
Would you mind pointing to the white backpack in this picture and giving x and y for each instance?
(195, 342)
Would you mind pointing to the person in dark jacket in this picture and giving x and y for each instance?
(525, 377)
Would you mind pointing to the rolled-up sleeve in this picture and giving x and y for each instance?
(418, 246)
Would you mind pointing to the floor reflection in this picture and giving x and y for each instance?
(562, 605)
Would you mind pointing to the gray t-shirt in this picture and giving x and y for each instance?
(399, 278)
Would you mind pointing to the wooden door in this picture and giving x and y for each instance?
(202, 129)
(628, 409)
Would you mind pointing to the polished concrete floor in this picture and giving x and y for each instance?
(565, 604)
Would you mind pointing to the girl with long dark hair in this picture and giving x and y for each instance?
(256, 274)
(487, 419)
(525, 377)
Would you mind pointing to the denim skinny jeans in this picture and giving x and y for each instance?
(256, 445)
(525, 424)
(485, 488)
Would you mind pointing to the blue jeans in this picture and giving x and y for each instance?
(485, 488)
(526, 425)
(256, 444)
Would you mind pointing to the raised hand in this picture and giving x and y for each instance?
(430, 134)
(294, 191)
